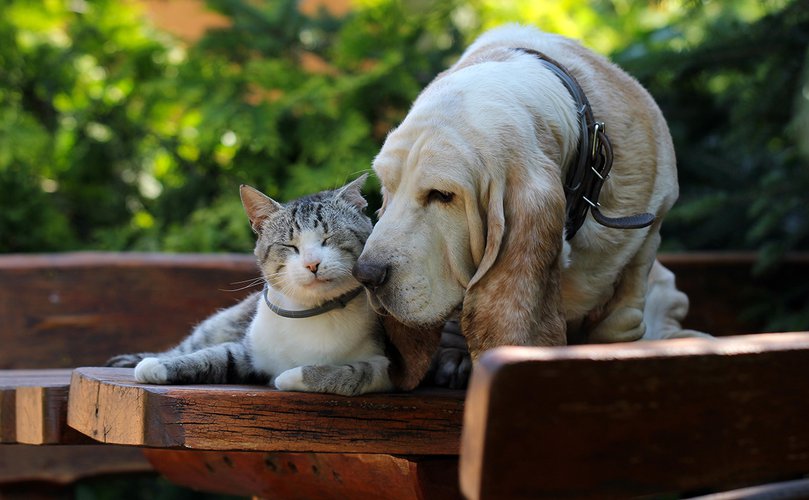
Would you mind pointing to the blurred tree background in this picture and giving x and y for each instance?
(115, 135)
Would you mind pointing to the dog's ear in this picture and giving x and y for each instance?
(486, 236)
(410, 351)
(514, 298)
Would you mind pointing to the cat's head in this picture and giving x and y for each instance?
(307, 247)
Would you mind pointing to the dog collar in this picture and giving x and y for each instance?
(591, 167)
(340, 301)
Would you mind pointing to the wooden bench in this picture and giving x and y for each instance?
(78, 309)
(60, 311)
(613, 421)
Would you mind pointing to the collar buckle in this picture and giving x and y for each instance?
(591, 167)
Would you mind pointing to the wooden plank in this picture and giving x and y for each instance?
(67, 310)
(304, 476)
(42, 417)
(21, 463)
(722, 287)
(33, 407)
(109, 406)
(633, 419)
(8, 415)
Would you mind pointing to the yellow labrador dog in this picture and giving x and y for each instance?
(478, 202)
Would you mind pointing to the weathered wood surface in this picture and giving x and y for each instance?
(723, 287)
(109, 406)
(33, 407)
(304, 476)
(65, 310)
(78, 309)
(21, 463)
(632, 419)
(74, 309)
(33, 410)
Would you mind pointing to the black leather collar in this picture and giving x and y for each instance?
(591, 167)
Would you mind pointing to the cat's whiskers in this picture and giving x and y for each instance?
(246, 281)
(249, 283)
(342, 269)
(284, 289)
(273, 276)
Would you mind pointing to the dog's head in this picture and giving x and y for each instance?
(472, 216)
(429, 238)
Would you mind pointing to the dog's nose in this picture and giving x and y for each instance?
(370, 274)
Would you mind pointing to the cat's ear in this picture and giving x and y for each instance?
(257, 205)
(352, 192)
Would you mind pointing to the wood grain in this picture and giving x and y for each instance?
(310, 475)
(21, 463)
(67, 310)
(33, 407)
(107, 405)
(723, 287)
(74, 309)
(634, 419)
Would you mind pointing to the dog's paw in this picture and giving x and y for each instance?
(151, 371)
(124, 360)
(621, 325)
(451, 364)
(291, 380)
(452, 368)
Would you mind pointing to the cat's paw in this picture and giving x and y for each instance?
(124, 360)
(291, 380)
(151, 371)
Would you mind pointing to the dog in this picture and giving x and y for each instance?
(480, 213)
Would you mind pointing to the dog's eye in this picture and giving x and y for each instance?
(440, 196)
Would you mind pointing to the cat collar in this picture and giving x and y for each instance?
(340, 301)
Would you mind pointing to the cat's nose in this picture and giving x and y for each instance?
(312, 266)
(371, 274)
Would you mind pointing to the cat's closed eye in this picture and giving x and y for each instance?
(293, 247)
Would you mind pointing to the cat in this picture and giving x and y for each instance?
(311, 329)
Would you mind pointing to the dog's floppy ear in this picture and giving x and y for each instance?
(514, 298)
(410, 351)
(485, 237)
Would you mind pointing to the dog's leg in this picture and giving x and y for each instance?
(666, 307)
(623, 315)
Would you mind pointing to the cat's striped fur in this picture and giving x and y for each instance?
(305, 250)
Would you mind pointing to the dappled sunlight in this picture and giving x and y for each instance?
(124, 122)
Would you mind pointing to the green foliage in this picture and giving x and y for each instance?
(737, 105)
(119, 137)
(69, 125)
(138, 487)
(736, 99)
(113, 135)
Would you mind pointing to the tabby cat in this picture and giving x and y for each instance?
(311, 329)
